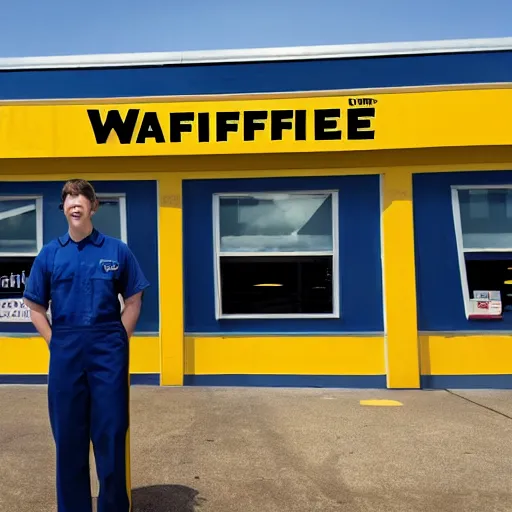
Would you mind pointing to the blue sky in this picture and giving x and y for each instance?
(64, 27)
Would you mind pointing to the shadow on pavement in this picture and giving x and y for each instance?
(165, 498)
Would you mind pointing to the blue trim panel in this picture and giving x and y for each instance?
(440, 301)
(486, 256)
(145, 379)
(23, 379)
(466, 381)
(259, 77)
(142, 225)
(136, 379)
(268, 334)
(359, 248)
(289, 381)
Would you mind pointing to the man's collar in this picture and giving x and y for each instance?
(95, 238)
(64, 239)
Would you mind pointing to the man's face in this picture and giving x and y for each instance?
(78, 211)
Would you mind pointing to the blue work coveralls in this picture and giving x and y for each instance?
(88, 379)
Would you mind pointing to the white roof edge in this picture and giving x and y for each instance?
(257, 54)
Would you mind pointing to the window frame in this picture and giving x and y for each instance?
(39, 224)
(457, 221)
(217, 254)
(121, 198)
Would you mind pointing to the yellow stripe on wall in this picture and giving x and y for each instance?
(399, 280)
(286, 355)
(145, 354)
(466, 355)
(411, 120)
(28, 356)
(432, 160)
(170, 229)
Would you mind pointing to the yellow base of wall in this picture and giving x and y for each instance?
(444, 354)
(26, 356)
(285, 355)
(441, 355)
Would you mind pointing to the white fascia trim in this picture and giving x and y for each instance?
(256, 54)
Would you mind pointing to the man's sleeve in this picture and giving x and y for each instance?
(132, 278)
(37, 286)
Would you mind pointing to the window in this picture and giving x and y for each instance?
(21, 226)
(483, 226)
(21, 238)
(110, 219)
(276, 255)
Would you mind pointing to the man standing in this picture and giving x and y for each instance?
(82, 274)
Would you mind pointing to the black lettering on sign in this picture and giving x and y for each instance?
(276, 122)
(300, 125)
(356, 125)
(150, 128)
(326, 124)
(280, 120)
(203, 127)
(253, 120)
(123, 128)
(180, 123)
(226, 122)
(353, 102)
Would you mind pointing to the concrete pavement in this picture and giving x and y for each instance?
(284, 450)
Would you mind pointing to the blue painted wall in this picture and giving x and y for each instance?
(142, 215)
(309, 75)
(359, 245)
(440, 300)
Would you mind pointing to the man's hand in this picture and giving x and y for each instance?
(40, 320)
(131, 312)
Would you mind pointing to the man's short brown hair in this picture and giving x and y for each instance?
(78, 187)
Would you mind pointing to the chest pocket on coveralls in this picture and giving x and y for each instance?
(104, 280)
(62, 285)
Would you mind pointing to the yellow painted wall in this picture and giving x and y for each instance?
(22, 355)
(247, 166)
(399, 280)
(171, 279)
(444, 354)
(401, 120)
(285, 355)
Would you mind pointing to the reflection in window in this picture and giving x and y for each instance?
(276, 223)
(18, 226)
(107, 219)
(486, 218)
(275, 254)
(478, 204)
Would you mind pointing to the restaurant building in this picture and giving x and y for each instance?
(324, 216)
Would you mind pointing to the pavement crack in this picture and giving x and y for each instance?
(479, 404)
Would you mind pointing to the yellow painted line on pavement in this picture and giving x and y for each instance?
(381, 403)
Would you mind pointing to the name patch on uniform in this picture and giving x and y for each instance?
(109, 265)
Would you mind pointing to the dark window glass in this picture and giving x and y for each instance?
(14, 272)
(492, 275)
(276, 285)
